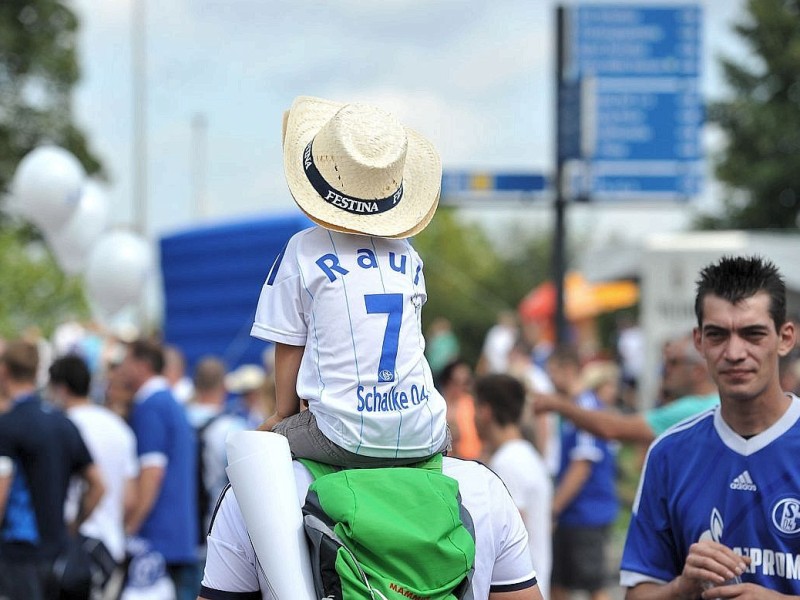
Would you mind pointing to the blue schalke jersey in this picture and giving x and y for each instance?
(596, 504)
(162, 430)
(703, 481)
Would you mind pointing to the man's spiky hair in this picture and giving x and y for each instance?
(735, 278)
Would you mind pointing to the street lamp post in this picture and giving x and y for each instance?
(139, 116)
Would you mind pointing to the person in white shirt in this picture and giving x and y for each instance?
(206, 413)
(497, 345)
(112, 446)
(503, 569)
(342, 302)
(499, 404)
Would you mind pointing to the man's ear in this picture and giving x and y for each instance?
(697, 337)
(787, 336)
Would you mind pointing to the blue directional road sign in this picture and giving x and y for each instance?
(641, 108)
(467, 182)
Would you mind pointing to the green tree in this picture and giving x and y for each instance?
(38, 69)
(761, 162)
(34, 290)
(469, 280)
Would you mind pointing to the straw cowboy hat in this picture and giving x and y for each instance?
(355, 168)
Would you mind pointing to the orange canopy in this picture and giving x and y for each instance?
(582, 299)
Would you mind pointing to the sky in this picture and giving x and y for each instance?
(475, 77)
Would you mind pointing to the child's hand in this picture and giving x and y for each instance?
(270, 423)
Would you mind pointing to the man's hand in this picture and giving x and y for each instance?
(743, 591)
(708, 563)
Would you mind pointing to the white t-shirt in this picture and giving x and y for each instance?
(355, 303)
(631, 347)
(502, 559)
(496, 346)
(113, 448)
(525, 474)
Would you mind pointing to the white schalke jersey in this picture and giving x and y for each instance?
(355, 303)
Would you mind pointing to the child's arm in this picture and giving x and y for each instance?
(287, 365)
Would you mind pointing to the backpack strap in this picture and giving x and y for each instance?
(204, 500)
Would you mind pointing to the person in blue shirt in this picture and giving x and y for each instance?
(165, 514)
(717, 513)
(584, 500)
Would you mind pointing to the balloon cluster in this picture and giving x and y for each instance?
(51, 190)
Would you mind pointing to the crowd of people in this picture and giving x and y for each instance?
(727, 392)
(117, 442)
(562, 475)
(114, 440)
(141, 441)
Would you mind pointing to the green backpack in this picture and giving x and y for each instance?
(388, 533)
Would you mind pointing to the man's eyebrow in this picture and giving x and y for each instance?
(712, 327)
(754, 328)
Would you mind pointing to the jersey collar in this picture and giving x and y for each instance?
(150, 387)
(746, 447)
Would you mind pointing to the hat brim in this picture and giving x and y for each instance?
(422, 178)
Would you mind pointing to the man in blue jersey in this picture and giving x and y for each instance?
(717, 514)
(165, 512)
(584, 500)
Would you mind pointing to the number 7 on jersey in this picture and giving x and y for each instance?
(392, 305)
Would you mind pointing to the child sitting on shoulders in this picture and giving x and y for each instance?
(342, 302)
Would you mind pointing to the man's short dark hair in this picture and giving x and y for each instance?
(21, 359)
(150, 352)
(736, 278)
(504, 394)
(209, 374)
(71, 371)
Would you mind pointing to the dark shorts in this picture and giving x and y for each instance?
(307, 441)
(579, 558)
(27, 580)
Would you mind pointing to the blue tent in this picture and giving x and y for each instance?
(212, 279)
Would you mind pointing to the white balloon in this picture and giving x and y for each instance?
(72, 242)
(117, 270)
(47, 186)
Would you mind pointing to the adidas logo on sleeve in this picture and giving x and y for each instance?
(744, 482)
